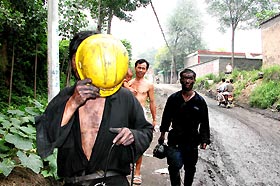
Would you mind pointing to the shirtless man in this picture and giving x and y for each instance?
(79, 122)
(143, 91)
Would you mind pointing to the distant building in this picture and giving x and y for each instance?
(204, 62)
(270, 30)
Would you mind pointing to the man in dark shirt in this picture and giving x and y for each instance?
(188, 113)
(97, 137)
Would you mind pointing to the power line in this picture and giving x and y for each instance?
(160, 26)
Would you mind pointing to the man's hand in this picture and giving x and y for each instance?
(84, 90)
(124, 136)
(161, 138)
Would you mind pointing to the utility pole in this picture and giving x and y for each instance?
(53, 50)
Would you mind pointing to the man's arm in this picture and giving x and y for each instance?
(84, 90)
(204, 127)
(53, 126)
(165, 121)
(152, 104)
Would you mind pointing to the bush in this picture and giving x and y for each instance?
(265, 95)
(271, 73)
(18, 141)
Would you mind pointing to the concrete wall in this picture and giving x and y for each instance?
(191, 60)
(247, 64)
(217, 66)
(270, 31)
(206, 68)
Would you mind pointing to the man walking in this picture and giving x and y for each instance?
(143, 91)
(188, 113)
(99, 131)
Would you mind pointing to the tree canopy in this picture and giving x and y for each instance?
(23, 39)
(238, 13)
(184, 29)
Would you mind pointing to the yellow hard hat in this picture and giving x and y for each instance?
(104, 60)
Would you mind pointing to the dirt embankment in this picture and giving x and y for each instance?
(243, 101)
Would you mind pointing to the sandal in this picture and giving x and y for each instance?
(137, 180)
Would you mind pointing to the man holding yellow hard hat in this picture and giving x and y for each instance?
(98, 127)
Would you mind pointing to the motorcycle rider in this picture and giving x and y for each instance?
(229, 89)
(221, 89)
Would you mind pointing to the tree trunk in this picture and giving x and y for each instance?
(11, 77)
(35, 72)
(232, 46)
(173, 70)
(3, 59)
(68, 76)
(99, 23)
(110, 22)
(173, 77)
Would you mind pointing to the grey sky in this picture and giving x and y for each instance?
(144, 33)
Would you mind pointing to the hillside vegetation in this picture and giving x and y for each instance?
(257, 88)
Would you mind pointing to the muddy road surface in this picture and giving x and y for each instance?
(245, 151)
(245, 148)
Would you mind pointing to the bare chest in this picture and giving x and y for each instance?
(90, 116)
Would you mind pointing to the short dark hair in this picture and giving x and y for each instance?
(187, 70)
(223, 79)
(76, 41)
(140, 61)
(74, 44)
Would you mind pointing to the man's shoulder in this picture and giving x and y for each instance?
(175, 94)
(123, 93)
(199, 97)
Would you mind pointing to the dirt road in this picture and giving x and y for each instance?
(245, 149)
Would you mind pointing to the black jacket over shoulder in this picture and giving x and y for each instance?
(121, 110)
(190, 122)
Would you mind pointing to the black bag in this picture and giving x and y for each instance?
(160, 151)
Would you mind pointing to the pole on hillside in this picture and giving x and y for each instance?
(171, 52)
(53, 50)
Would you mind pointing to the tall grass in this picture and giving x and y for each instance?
(268, 92)
(265, 95)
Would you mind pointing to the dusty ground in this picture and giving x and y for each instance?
(244, 150)
(26, 177)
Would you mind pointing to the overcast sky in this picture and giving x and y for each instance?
(144, 32)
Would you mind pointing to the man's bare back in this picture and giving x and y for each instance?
(90, 119)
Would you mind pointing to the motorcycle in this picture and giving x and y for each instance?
(225, 98)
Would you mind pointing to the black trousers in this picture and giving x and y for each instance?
(180, 155)
(108, 181)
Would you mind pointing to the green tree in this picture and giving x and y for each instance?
(22, 43)
(184, 33)
(73, 17)
(128, 47)
(268, 13)
(107, 9)
(149, 54)
(237, 13)
(162, 62)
